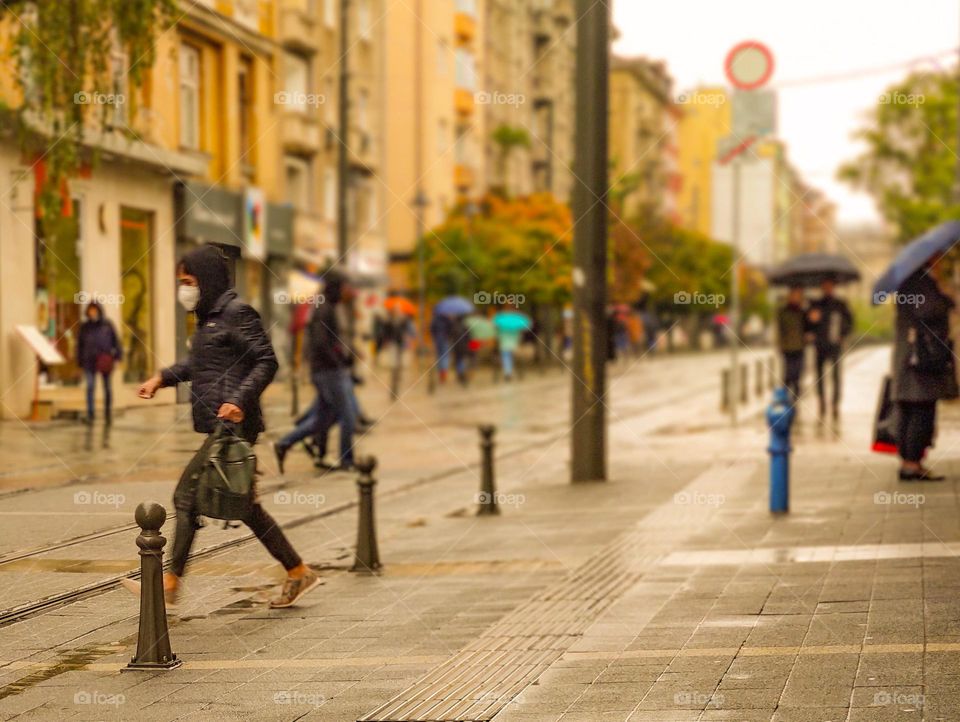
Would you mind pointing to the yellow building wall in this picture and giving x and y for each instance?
(705, 120)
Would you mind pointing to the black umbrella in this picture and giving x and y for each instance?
(812, 269)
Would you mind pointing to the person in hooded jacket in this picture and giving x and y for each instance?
(97, 350)
(231, 363)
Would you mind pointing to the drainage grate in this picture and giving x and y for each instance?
(484, 677)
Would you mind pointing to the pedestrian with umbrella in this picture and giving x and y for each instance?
(827, 322)
(451, 336)
(923, 363)
(510, 325)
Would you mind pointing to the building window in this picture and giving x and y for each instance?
(467, 6)
(443, 50)
(245, 107)
(297, 172)
(329, 111)
(363, 103)
(466, 72)
(442, 142)
(296, 81)
(329, 194)
(364, 25)
(330, 13)
(189, 97)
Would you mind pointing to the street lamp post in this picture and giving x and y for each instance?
(588, 460)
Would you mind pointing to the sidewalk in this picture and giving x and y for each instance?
(668, 593)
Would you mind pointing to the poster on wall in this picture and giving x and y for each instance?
(254, 224)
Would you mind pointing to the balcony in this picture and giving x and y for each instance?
(464, 27)
(300, 132)
(463, 101)
(364, 150)
(298, 27)
(463, 177)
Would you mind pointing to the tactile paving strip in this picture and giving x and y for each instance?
(482, 679)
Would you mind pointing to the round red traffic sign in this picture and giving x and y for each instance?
(749, 65)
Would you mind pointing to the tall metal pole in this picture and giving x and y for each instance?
(588, 429)
(343, 159)
(735, 295)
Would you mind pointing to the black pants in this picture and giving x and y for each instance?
(792, 372)
(824, 357)
(261, 523)
(915, 432)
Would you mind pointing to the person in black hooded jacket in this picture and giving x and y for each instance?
(231, 363)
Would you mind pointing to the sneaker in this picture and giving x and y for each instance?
(169, 595)
(293, 589)
(921, 475)
(281, 453)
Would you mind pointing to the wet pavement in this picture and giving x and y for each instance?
(667, 593)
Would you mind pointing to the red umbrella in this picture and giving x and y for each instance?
(400, 305)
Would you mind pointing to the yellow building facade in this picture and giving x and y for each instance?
(705, 120)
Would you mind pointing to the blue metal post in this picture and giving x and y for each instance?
(780, 414)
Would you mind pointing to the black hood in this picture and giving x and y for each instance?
(209, 265)
(333, 282)
(95, 305)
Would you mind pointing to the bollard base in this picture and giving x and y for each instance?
(364, 569)
(484, 510)
(135, 666)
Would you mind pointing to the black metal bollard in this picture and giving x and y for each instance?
(744, 383)
(758, 385)
(488, 492)
(367, 557)
(725, 389)
(153, 642)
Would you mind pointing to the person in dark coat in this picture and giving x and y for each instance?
(923, 367)
(231, 363)
(791, 339)
(830, 321)
(98, 349)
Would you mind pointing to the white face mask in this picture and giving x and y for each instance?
(188, 296)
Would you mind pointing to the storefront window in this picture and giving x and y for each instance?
(58, 298)
(136, 262)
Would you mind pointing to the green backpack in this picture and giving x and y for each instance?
(225, 485)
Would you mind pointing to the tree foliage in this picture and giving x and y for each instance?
(67, 54)
(909, 166)
(513, 246)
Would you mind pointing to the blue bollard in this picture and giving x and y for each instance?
(780, 415)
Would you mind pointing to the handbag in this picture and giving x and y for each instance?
(929, 354)
(104, 363)
(886, 421)
(225, 484)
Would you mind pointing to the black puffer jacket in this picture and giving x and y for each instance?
(231, 361)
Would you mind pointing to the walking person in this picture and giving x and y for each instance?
(98, 349)
(791, 332)
(510, 325)
(231, 363)
(830, 321)
(330, 356)
(923, 366)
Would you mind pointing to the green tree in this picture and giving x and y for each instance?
(507, 139)
(67, 52)
(909, 165)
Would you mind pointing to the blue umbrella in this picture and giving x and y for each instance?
(914, 255)
(453, 306)
(511, 321)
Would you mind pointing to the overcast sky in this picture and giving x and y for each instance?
(809, 39)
